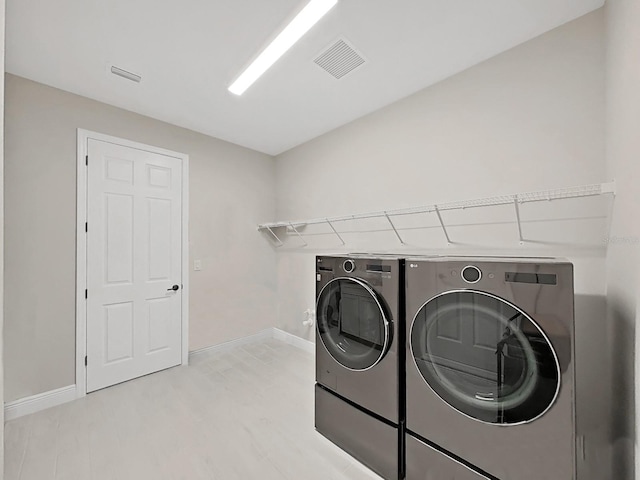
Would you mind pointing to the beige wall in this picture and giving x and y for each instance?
(623, 154)
(231, 190)
(529, 119)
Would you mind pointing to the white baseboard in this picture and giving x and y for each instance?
(272, 332)
(41, 401)
(222, 347)
(53, 398)
(294, 340)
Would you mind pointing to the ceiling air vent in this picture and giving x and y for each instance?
(134, 77)
(339, 59)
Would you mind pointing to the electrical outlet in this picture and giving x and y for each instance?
(197, 265)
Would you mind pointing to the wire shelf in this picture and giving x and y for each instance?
(513, 199)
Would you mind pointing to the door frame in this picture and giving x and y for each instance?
(83, 137)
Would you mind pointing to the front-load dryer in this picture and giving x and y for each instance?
(359, 353)
(490, 369)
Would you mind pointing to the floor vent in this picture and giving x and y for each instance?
(339, 59)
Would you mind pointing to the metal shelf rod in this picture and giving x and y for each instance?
(394, 229)
(444, 229)
(515, 204)
(298, 233)
(335, 231)
(274, 235)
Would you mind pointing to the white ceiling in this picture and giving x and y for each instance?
(189, 51)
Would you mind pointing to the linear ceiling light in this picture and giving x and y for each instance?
(300, 25)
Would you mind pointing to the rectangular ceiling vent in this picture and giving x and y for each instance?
(134, 77)
(339, 59)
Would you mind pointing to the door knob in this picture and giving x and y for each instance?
(174, 288)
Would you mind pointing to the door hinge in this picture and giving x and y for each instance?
(86, 226)
(86, 160)
(85, 360)
(86, 293)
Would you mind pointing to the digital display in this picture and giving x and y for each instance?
(378, 268)
(540, 278)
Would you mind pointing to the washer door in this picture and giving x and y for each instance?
(485, 357)
(352, 323)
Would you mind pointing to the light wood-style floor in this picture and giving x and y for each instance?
(241, 414)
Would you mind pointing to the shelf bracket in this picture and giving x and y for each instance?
(444, 229)
(335, 231)
(394, 228)
(281, 243)
(298, 233)
(515, 204)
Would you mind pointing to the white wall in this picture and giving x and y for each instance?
(623, 155)
(231, 189)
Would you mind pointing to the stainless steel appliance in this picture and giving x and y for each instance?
(359, 353)
(490, 383)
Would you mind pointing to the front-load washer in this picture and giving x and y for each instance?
(490, 390)
(359, 356)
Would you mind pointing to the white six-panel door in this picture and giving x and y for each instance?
(134, 259)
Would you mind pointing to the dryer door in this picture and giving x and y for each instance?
(352, 323)
(485, 357)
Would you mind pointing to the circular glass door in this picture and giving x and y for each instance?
(485, 357)
(352, 323)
